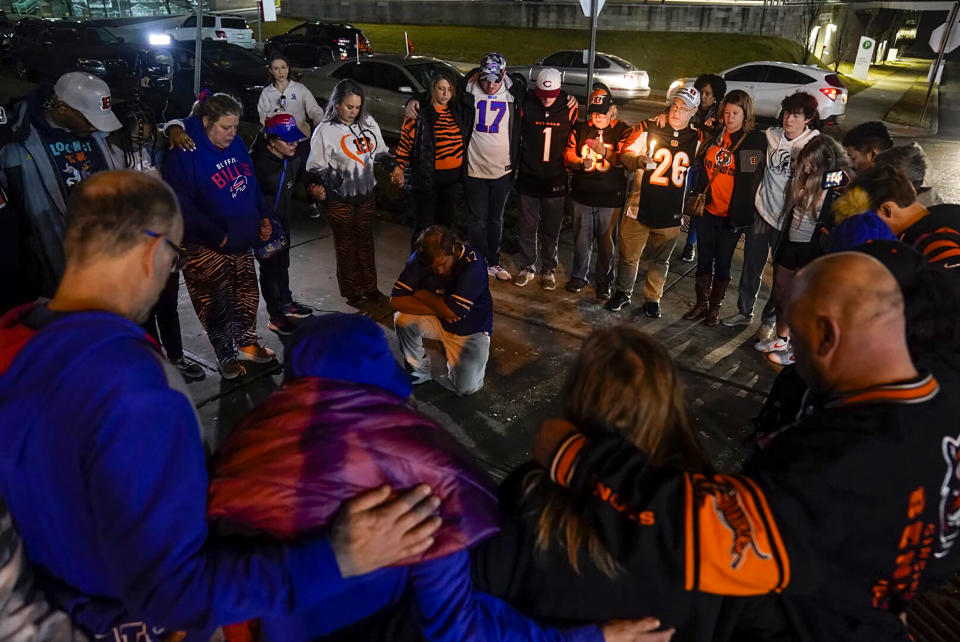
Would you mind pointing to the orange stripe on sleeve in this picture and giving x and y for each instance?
(913, 393)
(563, 461)
(944, 255)
(689, 555)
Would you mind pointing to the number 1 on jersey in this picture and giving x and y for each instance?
(547, 137)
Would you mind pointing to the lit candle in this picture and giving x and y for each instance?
(653, 144)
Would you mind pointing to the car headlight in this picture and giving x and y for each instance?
(252, 88)
(675, 85)
(161, 39)
(92, 66)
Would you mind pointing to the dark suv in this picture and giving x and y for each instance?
(46, 49)
(315, 44)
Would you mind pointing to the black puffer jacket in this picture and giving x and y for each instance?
(423, 154)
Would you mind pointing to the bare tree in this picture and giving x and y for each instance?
(810, 13)
(843, 38)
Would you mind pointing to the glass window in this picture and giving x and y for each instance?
(598, 61)
(424, 71)
(299, 31)
(388, 77)
(233, 23)
(60, 36)
(98, 36)
(227, 57)
(601, 63)
(360, 72)
(559, 59)
(190, 22)
(747, 73)
(209, 22)
(624, 64)
(788, 76)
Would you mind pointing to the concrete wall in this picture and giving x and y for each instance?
(780, 21)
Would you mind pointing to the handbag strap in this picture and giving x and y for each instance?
(732, 149)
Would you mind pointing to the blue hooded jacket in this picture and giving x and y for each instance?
(218, 192)
(102, 466)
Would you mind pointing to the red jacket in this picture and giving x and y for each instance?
(314, 443)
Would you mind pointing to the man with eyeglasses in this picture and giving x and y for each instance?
(659, 157)
(103, 467)
(56, 137)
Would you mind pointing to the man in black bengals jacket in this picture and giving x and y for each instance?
(850, 512)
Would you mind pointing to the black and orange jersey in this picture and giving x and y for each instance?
(604, 184)
(656, 197)
(543, 136)
(937, 237)
(847, 514)
(447, 141)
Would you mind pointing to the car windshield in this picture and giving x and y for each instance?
(230, 58)
(424, 71)
(629, 66)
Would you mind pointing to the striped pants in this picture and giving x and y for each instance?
(352, 225)
(223, 289)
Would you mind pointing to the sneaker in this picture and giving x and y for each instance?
(737, 319)
(282, 325)
(575, 285)
(689, 254)
(191, 371)
(776, 344)
(652, 309)
(525, 276)
(499, 272)
(256, 352)
(603, 292)
(417, 378)
(766, 331)
(314, 211)
(297, 310)
(619, 301)
(782, 357)
(548, 280)
(231, 369)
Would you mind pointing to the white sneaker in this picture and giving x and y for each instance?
(766, 331)
(499, 272)
(776, 344)
(736, 319)
(783, 357)
(525, 276)
(420, 377)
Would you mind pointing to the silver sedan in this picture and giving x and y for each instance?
(625, 80)
(388, 81)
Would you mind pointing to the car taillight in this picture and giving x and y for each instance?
(834, 80)
(829, 92)
(344, 41)
(220, 34)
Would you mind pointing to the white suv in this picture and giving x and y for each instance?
(232, 29)
(768, 83)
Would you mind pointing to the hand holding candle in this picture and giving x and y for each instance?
(650, 163)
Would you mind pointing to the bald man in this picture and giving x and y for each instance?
(847, 514)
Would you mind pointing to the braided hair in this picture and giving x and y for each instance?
(132, 138)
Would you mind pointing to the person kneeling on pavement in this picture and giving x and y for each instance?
(443, 294)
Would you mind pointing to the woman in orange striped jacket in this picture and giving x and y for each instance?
(430, 153)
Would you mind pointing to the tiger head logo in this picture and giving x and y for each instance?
(730, 511)
(949, 498)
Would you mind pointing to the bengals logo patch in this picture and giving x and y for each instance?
(104, 103)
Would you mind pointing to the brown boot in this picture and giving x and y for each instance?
(717, 292)
(703, 298)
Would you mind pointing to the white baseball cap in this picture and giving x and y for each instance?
(90, 96)
(690, 97)
(548, 83)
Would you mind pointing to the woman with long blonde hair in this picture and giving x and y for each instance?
(806, 200)
(549, 560)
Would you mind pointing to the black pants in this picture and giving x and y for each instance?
(435, 206)
(275, 277)
(164, 322)
(717, 242)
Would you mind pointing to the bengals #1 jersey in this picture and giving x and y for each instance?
(656, 198)
(543, 136)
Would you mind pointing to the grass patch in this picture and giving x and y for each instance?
(907, 110)
(666, 56)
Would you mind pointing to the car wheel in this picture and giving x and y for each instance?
(324, 57)
(22, 72)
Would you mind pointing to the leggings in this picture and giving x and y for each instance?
(352, 225)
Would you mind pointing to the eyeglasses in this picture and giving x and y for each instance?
(179, 254)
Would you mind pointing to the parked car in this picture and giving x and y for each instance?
(232, 29)
(388, 80)
(315, 44)
(768, 83)
(46, 49)
(223, 68)
(625, 80)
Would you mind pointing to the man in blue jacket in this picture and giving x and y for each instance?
(101, 461)
(55, 138)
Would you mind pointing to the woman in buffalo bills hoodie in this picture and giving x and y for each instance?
(224, 217)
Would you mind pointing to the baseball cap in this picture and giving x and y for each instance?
(548, 83)
(492, 67)
(690, 97)
(284, 127)
(600, 102)
(90, 96)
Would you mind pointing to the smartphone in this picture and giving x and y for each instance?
(838, 178)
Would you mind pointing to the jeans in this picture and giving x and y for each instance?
(692, 236)
(466, 355)
(716, 244)
(275, 278)
(591, 223)
(486, 199)
(634, 237)
(538, 228)
(761, 238)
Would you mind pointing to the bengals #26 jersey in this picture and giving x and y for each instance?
(656, 198)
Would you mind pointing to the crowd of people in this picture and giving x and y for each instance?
(336, 510)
